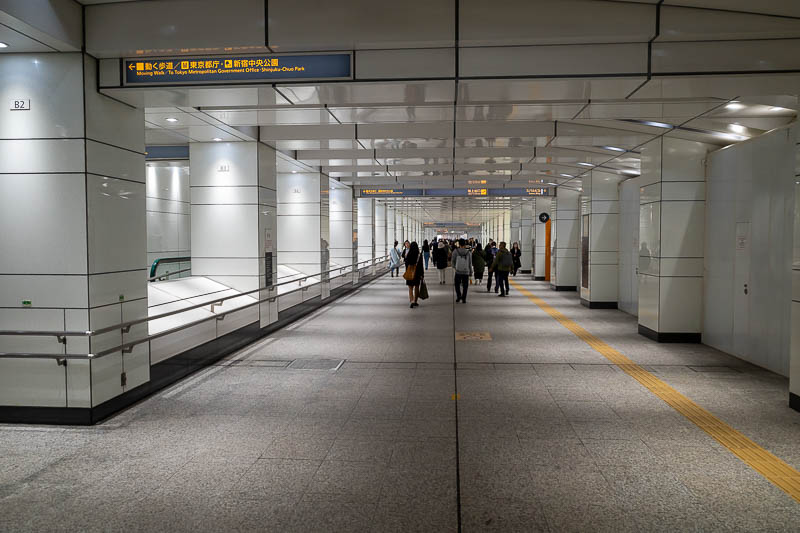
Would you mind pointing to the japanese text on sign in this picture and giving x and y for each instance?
(236, 69)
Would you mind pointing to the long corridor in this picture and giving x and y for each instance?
(370, 416)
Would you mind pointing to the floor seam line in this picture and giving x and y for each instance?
(713, 426)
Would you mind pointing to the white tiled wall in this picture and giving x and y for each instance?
(600, 203)
(541, 205)
(672, 235)
(366, 229)
(564, 244)
(78, 244)
(750, 215)
(299, 221)
(628, 300)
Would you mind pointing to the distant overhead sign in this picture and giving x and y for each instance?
(237, 69)
(391, 192)
(472, 192)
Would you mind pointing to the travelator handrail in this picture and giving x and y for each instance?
(125, 327)
(168, 274)
(166, 260)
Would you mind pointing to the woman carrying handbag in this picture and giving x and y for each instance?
(414, 274)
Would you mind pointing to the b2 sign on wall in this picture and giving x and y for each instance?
(20, 105)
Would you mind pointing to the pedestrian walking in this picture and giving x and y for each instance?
(426, 252)
(488, 254)
(478, 263)
(501, 266)
(441, 261)
(516, 255)
(414, 274)
(462, 264)
(394, 261)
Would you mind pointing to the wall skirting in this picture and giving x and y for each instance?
(598, 305)
(689, 338)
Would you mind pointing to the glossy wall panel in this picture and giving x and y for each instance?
(55, 228)
(750, 212)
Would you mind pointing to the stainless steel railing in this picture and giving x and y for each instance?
(125, 327)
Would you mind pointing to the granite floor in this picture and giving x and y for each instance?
(545, 435)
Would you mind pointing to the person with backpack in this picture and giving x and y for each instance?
(501, 266)
(462, 263)
(478, 263)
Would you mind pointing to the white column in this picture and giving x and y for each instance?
(341, 224)
(391, 232)
(366, 229)
(299, 233)
(564, 243)
(380, 230)
(671, 229)
(628, 286)
(74, 241)
(541, 206)
(233, 215)
(514, 223)
(526, 236)
(599, 244)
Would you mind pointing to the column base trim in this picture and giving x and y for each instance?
(794, 401)
(563, 287)
(659, 336)
(172, 370)
(598, 305)
(538, 278)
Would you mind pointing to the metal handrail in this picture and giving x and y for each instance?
(166, 260)
(168, 274)
(125, 326)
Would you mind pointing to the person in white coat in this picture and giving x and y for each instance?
(394, 260)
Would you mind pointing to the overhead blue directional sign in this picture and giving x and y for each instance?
(180, 70)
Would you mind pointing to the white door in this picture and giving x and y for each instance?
(741, 290)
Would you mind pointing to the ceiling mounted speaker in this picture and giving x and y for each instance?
(544, 217)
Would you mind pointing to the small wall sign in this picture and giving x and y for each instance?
(20, 105)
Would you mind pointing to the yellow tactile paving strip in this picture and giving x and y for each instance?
(771, 467)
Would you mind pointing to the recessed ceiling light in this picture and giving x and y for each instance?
(567, 175)
(613, 148)
(777, 109)
(550, 183)
(3, 45)
(216, 139)
(586, 164)
(171, 119)
(734, 105)
(631, 172)
(738, 128)
(294, 172)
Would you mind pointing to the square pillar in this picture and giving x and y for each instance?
(366, 230)
(564, 241)
(233, 216)
(540, 254)
(526, 236)
(599, 264)
(671, 240)
(381, 248)
(74, 249)
(299, 230)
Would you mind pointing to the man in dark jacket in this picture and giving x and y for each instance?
(503, 264)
